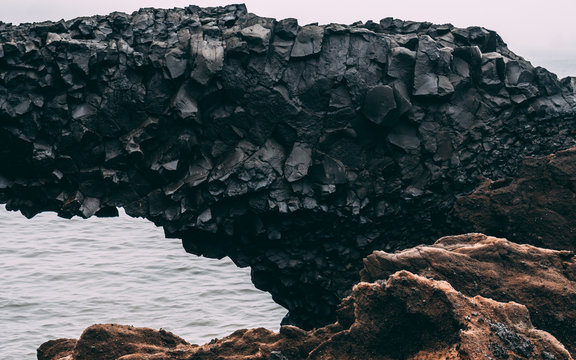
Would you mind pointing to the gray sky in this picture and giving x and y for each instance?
(543, 32)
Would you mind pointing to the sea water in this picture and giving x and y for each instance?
(59, 276)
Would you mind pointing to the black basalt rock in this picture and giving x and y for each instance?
(293, 150)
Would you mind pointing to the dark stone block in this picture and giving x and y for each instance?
(432, 68)
(308, 41)
(401, 65)
(379, 105)
(287, 28)
(257, 38)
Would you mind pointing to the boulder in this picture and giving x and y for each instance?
(407, 316)
(56, 349)
(112, 342)
(478, 265)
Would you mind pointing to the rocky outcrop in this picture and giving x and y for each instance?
(536, 206)
(475, 264)
(112, 342)
(412, 317)
(296, 150)
(56, 349)
(405, 317)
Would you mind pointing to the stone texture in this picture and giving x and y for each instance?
(308, 41)
(115, 342)
(411, 317)
(536, 206)
(379, 105)
(294, 150)
(404, 317)
(432, 69)
(544, 280)
(298, 162)
(56, 349)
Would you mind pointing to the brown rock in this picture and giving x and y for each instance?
(405, 317)
(412, 317)
(111, 342)
(56, 349)
(535, 207)
(121, 342)
(475, 264)
(262, 344)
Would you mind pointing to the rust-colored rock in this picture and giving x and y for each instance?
(262, 344)
(405, 317)
(56, 349)
(412, 317)
(537, 206)
(111, 342)
(475, 264)
(122, 342)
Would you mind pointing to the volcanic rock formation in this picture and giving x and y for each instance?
(405, 317)
(296, 150)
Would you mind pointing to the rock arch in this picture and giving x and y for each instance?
(295, 150)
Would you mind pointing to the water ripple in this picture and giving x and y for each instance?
(59, 276)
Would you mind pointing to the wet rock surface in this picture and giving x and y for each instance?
(475, 264)
(403, 317)
(294, 150)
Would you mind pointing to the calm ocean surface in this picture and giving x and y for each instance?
(59, 276)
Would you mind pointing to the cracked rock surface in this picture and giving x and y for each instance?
(475, 264)
(295, 150)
